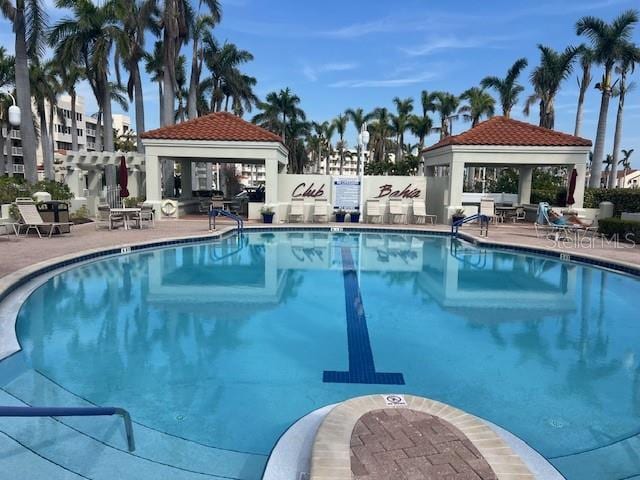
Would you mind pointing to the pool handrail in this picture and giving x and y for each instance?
(214, 212)
(13, 411)
(484, 224)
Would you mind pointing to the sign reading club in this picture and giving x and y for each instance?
(311, 191)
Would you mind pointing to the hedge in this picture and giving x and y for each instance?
(623, 199)
(624, 230)
(13, 187)
(553, 196)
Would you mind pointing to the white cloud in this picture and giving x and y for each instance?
(312, 72)
(452, 42)
(385, 82)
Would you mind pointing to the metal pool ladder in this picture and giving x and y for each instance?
(214, 212)
(74, 412)
(484, 224)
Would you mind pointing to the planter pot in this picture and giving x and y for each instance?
(267, 217)
(456, 218)
(354, 217)
(340, 217)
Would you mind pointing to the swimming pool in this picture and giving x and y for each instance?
(217, 347)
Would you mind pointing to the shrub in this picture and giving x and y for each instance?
(623, 199)
(553, 196)
(14, 187)
(131, 202)
(624, 230)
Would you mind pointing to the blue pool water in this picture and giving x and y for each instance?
(225, 344)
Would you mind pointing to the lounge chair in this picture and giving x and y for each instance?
(105, 217)
(320, 210)
(420, 214)
(375, 211)
(30, 218)
(396, 212)
(296, 213)
(488, 209)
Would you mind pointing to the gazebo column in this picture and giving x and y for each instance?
(75, 181)
(271, 181)
(524, 185)
(578, 194)
(456, 184)
(153, 179)
(186, 179)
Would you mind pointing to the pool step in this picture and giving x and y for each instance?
(157, 455)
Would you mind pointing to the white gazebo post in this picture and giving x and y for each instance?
(153, 180)
(456, 185)
(578, 194)
(525, 175)
(363, 142)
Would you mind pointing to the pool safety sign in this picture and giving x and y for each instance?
(346, 193)
(394, 400)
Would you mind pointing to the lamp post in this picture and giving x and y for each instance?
(14, 121)
(363, 141)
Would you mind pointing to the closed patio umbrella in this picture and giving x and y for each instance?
(123, 178)
(572, 187)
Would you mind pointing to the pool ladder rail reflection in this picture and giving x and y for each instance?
(6, 411)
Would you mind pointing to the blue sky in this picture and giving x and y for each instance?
(341, 54)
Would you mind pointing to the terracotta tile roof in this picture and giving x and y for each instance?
(221, 126)
(509, 132)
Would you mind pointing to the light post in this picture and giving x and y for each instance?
(14, 121)
(363, 141)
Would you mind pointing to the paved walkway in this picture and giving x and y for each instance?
(404, 444)
(23, 252)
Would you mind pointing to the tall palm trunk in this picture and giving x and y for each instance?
(74, 122)
(44, 141)
(617, 138)
(23, 90)
(4, 141)
(160, 101)
(192, 101)
(50, 173)
(598, 150)
(583, 84)
(107, 132)
(139, 105)
(168, 98)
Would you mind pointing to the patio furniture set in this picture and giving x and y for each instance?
(126, 217)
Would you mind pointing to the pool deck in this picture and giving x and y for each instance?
(24, 252)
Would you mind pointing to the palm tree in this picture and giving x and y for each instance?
(626, 161)
(608, 41)
(70, 74)
(358, 119)
(88, 37)
(7, 77)
(137, 16)
(400, 122)
(428, 102)
(238, 88)
(154, 66)
(546, 78)
(508, 88)
(46, 88)
(628, 59)
(380, 132)
(284, 103)
(586, 61)
(340, 123)
(29, 23)
(329, 129)
(446, 106)
(480, 104)
(181, 91)
(421, 127)
(202, 25)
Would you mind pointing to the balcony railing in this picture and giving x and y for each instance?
(17, 151)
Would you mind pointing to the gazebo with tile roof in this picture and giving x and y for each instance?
(500, 142)
(215, 138)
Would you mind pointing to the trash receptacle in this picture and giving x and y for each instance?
(606, 210)
(55, 212)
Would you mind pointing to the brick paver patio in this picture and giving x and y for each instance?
(403, 444)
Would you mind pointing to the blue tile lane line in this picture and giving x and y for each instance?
(361, 366)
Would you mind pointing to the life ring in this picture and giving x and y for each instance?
(168, 208)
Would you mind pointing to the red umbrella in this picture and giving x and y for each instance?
(123, 178)
(572, 187)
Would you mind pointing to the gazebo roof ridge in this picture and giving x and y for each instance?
(217, 126)
(503, 131)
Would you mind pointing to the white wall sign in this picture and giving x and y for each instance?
(346, 193)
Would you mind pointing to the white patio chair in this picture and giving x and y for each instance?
(320, 210)
(31, 219)
(519, 215)
(488, 208)
(106, 218)
(420, 215)
(396, 212)
(296, 213)
(375, 210)
(146, 215)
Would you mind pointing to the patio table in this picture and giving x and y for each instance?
(126, 214)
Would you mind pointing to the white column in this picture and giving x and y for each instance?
(133, 182)
(456, 184)
(271, 180)
(154, 185)
(75, 181)
(578, 195)
(524, 185)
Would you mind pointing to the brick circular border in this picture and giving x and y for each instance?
(331, 454)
